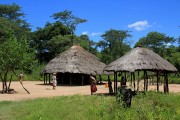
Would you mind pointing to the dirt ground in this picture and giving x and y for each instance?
(38, 90)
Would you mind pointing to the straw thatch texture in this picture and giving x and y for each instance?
(140, 59)
(75, 60)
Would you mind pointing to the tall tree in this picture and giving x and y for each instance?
(61, 43)
(179, 44)
(162, 45)
(15, 55)
(113, 45)
(68, 19)
(172, 54)
(155, 41)
(42, 36)
(11, 16)
(58, 44)
(11, 12)
(87, 44)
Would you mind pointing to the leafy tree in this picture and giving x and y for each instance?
(41, 39)
(11, 12)
(155, 41)
(158, 43)
(58, 44)
(15, 55)
(61, 43)
(173, 56)
(11, 16)
(54, 38)
(87, 44)
(179, 44)
(69, 20)
(113, 45)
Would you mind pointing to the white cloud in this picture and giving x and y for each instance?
(84, 33)
(140, 25)
(96, 34)
(168, 44)
(91, 34)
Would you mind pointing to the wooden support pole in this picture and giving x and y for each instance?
(131, 79)
(134, 84)
(167, 83)
(157, 75)
(144, 82)
(62, 79)
(164, 82)
(147, 80)
(166, 87)
(125, 77)
(114, 81)
(44, 78)
(138, 82)
(70, 79)
(49, 78)
(100, 77)
(82, 79)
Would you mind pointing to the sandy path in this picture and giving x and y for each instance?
(38, 90)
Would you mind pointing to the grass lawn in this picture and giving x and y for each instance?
(149, 106)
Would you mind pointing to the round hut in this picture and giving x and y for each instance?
(74, 66)
(142, 59)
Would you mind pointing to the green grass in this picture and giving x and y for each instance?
(33, 76)
(36, 73)
(174, 79)
(149, 106)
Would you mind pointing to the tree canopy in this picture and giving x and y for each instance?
(11, 16)
(15, 55)
(113, 45)
(162, 45)
(56, 37)
(68, 19)
(155, 41)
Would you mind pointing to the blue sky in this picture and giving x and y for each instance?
(137, 16)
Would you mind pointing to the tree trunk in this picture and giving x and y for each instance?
(10, 83)
(4, 82)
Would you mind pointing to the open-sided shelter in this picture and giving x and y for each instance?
(142, 59)
(74, 66)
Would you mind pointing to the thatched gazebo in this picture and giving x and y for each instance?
(142, 59)
(74, 66)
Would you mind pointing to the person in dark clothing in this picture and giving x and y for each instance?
(127, 98)
(123, 81)
(110, 86)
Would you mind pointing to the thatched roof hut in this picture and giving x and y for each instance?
(75, 60)
(140, 59)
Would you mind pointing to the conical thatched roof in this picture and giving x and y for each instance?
(75, 60)
(140, 59)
